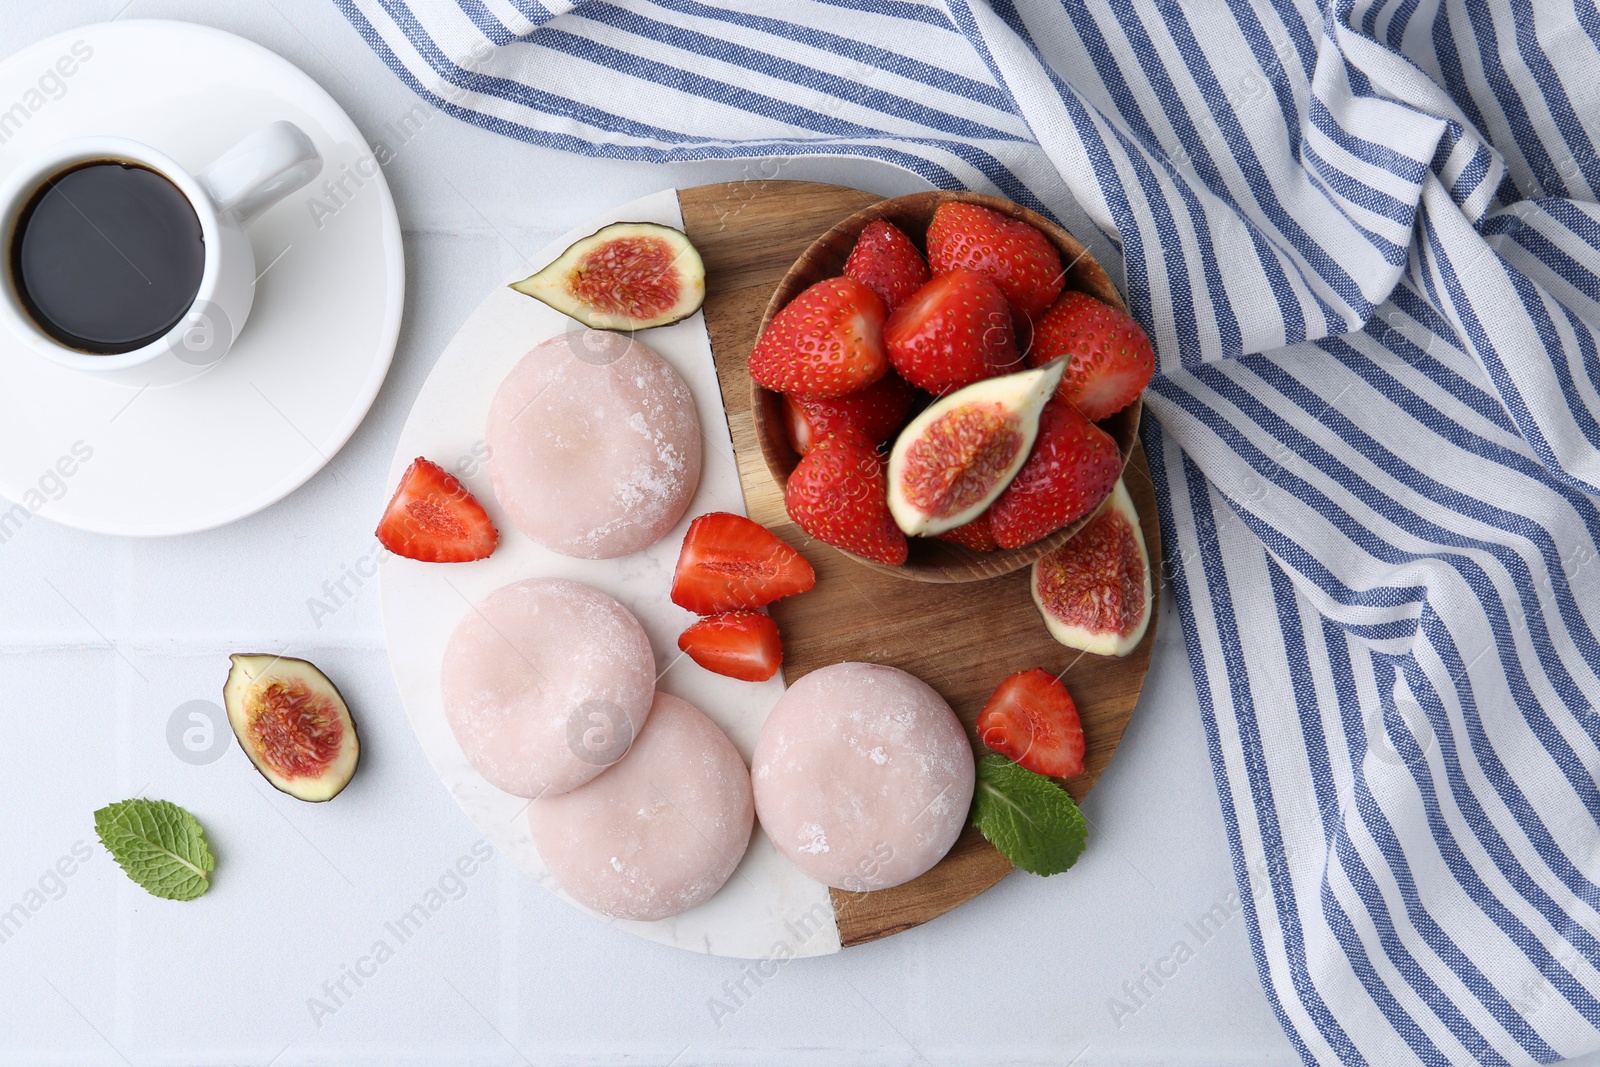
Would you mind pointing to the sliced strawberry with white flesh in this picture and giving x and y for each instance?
(738, 644)
(1031, 720)
(432, 518)
(731, 563)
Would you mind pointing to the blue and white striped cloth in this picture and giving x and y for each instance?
(1365, 240)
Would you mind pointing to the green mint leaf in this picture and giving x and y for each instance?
(159, 845)
(1032, 821)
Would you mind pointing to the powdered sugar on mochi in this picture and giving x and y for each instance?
(545, 682)
(594, 445)
(661, 831)
(863, 776)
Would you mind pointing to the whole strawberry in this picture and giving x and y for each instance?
(955, 331)
(1074, 465)
(839, 494)
(885, 261)
(876, 412)
(1009, 252)
(828, 341)
(976, 534)
(1110, 358)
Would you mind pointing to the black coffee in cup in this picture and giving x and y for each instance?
(107, 256)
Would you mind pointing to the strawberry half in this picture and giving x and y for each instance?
(739, 644)
(1074, 466)
(875, 412)
(839, 494)
(1032, 720)
(1111, 358)
(976, 534)
(1011, 253)
(731, 563)
(828, 341)
(955, 331)
(885, 261)
(434, 519)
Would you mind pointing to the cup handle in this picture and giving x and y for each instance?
(260, 170)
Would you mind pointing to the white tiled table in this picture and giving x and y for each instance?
(502, 973)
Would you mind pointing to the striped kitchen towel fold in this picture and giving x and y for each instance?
(1364, 238)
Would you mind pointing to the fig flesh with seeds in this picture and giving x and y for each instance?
(625, 276)
(293, 724)
(955, 458)
(1094, 591)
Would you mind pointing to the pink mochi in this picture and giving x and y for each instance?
(594, 445)
(863, 776)
(545, 683)
(662, 830)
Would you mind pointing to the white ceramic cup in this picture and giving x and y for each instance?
(243, 182)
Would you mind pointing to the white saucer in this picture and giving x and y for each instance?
(307, 364)
(768, 907)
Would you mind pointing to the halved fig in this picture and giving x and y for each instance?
(1094, 591)
(293, 724)
(955, 458)
(625, 276)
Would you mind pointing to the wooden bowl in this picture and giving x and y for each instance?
(931, 560)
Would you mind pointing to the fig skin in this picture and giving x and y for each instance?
(552, 284)
(247, 673)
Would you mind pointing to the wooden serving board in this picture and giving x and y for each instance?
(960, 639)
